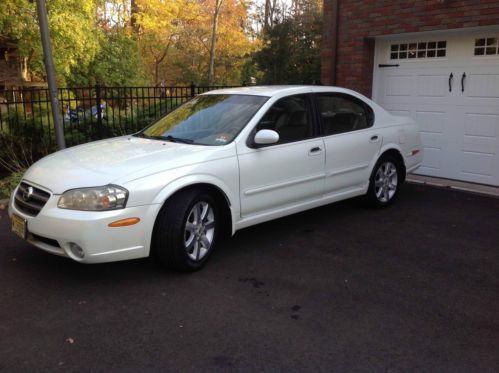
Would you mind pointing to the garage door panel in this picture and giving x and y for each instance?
(432, 140)
(431, 121)
(481, 125)
(477, 163)
(478, 144)
(399, 85)
(432, 85)
(482, 85)
(413, 86)
(432, 157)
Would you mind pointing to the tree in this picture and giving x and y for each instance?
(118, 63)
(291, 47)
(218, 4)
(189, 59)
(162, 24)
(72, 28)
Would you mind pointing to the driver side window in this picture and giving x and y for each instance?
(291, 118)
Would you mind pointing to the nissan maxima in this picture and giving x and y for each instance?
(223, 161)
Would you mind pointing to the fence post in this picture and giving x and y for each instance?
(193, 89)
(99, 109)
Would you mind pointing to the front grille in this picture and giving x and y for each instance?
(30, 199)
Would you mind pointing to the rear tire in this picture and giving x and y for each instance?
(385, 181)
(186, 230)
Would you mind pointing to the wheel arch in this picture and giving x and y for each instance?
(226, 202)
(396, 152)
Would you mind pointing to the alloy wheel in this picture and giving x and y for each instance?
(385, 182)
(199, 230)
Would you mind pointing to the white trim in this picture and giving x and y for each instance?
(250, 192)
(351, 169)
(440, 31)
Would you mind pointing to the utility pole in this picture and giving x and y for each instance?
(211, 71)
(49, 67)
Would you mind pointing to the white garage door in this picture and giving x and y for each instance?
(449, 83)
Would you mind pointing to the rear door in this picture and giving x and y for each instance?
(350, 141)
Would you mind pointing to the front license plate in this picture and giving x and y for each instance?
(19, 226)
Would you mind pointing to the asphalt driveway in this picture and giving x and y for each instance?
(341, 288)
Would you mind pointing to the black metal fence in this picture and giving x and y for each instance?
(89, 113)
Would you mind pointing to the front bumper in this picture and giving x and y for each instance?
(53, 229)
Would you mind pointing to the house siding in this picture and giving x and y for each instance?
(360, 21)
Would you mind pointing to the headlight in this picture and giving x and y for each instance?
(109, 197)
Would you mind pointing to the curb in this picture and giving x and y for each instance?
(454, 187)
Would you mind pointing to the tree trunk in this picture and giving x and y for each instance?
(133, 15)
(211, 71)
(266, 16)
(156, 72)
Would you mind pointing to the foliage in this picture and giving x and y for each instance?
(175, 39)
(161, 25)
(291, 47)
(72, 28)
(9, 183)
(16, 156)
(132, 42)
(117, 63)
(139, 42)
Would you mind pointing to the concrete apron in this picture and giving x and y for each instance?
(454, 184)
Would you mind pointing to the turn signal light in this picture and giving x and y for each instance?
(124, 222)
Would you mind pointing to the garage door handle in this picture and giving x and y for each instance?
(451, 77)
(462, 81)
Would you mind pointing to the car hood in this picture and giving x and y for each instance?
(122, 158)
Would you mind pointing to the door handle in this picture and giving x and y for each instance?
(463, 77)
(451, 78)
(374, 138)
(315, 150)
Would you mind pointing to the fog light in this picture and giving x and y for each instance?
(76, 250)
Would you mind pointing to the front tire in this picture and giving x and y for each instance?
(186, 230)
(385, 181)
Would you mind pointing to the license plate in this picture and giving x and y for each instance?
(19, 226)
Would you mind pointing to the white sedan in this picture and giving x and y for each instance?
(225, 160)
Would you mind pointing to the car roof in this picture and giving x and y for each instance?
(273, 90)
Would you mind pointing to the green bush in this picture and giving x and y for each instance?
(9, 183)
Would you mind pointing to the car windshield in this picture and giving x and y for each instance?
(206, 120)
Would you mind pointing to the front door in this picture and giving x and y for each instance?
(289, 172)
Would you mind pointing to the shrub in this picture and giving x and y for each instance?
(9, 183)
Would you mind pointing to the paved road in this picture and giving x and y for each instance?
(340, 288)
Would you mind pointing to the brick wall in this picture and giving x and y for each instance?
(361, 20)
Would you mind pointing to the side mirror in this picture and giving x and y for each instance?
(266, 137)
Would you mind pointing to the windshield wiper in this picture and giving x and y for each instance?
(140, 134)
(165, 138)
(177, 139)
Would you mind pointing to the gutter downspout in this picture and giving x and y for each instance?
(334, 37)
